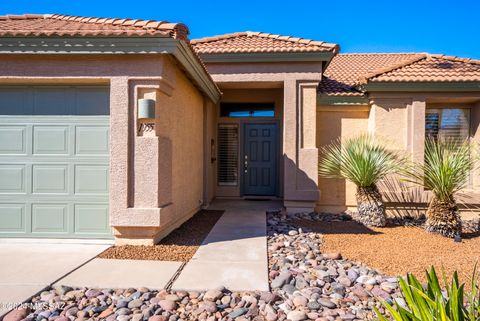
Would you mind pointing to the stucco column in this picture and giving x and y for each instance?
(119, 147)
(475, 139)
(299, 146)
(416, 128)
(141, 162)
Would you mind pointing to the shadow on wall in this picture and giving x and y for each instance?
(403, 199)
(300, 187)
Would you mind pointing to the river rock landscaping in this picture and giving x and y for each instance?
(180, 245)
(401, 247)
(306, 284)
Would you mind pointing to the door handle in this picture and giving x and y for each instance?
(245, 164)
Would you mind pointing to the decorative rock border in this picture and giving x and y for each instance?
(306, 285)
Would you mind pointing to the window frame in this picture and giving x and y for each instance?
(248, 106)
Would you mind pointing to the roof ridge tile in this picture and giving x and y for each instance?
(301, 43)
(116, 26)
(364, 79)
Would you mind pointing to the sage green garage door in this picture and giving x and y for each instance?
(54, 155)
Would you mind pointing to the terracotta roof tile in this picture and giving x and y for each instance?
(345, 70)
(29, 25)
(437, 68)
(258, 42)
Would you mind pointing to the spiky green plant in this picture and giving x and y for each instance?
(363, 161)
(445, 171)
(433, 303)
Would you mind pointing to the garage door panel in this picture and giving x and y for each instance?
(50, 140)
(92, 140)
(12, 217)
(12, 179)
(92, 101)
(50, 179)
(49, 218)
(52, 101)
(14, 101)
(91, 218)
(54, 162)
(91, 179)
(13, 140)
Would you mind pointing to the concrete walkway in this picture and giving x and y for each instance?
(107, 273)
(234, 254)
(28, 267)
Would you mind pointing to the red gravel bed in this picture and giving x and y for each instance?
(180, 245)
(398, 250)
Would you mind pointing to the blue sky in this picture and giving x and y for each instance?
(448, 27)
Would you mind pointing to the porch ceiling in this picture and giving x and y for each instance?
(250, 85)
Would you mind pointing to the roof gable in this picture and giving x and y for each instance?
(52, 25)
(344, 71)
(347, 72)
(259, 42)
(430, 68)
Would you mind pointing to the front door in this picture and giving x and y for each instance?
(260, 159)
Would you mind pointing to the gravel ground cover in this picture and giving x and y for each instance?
(397, 250)
(307, 284)
(180, 245)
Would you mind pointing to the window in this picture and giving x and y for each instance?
(228, 154)
(448, 123)
(247, 110)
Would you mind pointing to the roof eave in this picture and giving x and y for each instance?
(339, 100)
(422, 86)
(268, 57)
(116, 45)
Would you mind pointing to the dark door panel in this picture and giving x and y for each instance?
(260, 159)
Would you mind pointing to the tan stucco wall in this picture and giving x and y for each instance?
(210, 156)
(185, 110)
(399, 119)
(150, 192)
(335, 122)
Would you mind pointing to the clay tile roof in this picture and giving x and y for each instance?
(345, 70)
(258, 42)
(434, 68)
(29, 25)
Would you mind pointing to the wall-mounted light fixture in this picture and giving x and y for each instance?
(146, 114)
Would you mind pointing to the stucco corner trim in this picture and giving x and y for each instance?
(143, 217)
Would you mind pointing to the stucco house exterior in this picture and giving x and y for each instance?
(241, 115)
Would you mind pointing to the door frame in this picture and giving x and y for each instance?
(242, 126)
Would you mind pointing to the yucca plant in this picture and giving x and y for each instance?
(363, 161)
(433, 303)
(445, 171)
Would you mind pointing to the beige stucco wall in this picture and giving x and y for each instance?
(335, 122)
(399, 119)
(150, 192)
(185, 109)
(210, 152)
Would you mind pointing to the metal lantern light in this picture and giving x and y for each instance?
(146, 114)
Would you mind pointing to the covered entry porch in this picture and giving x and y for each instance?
(266, 141)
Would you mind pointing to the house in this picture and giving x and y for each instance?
(125, 128)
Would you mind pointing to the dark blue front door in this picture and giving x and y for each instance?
(260, 159)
